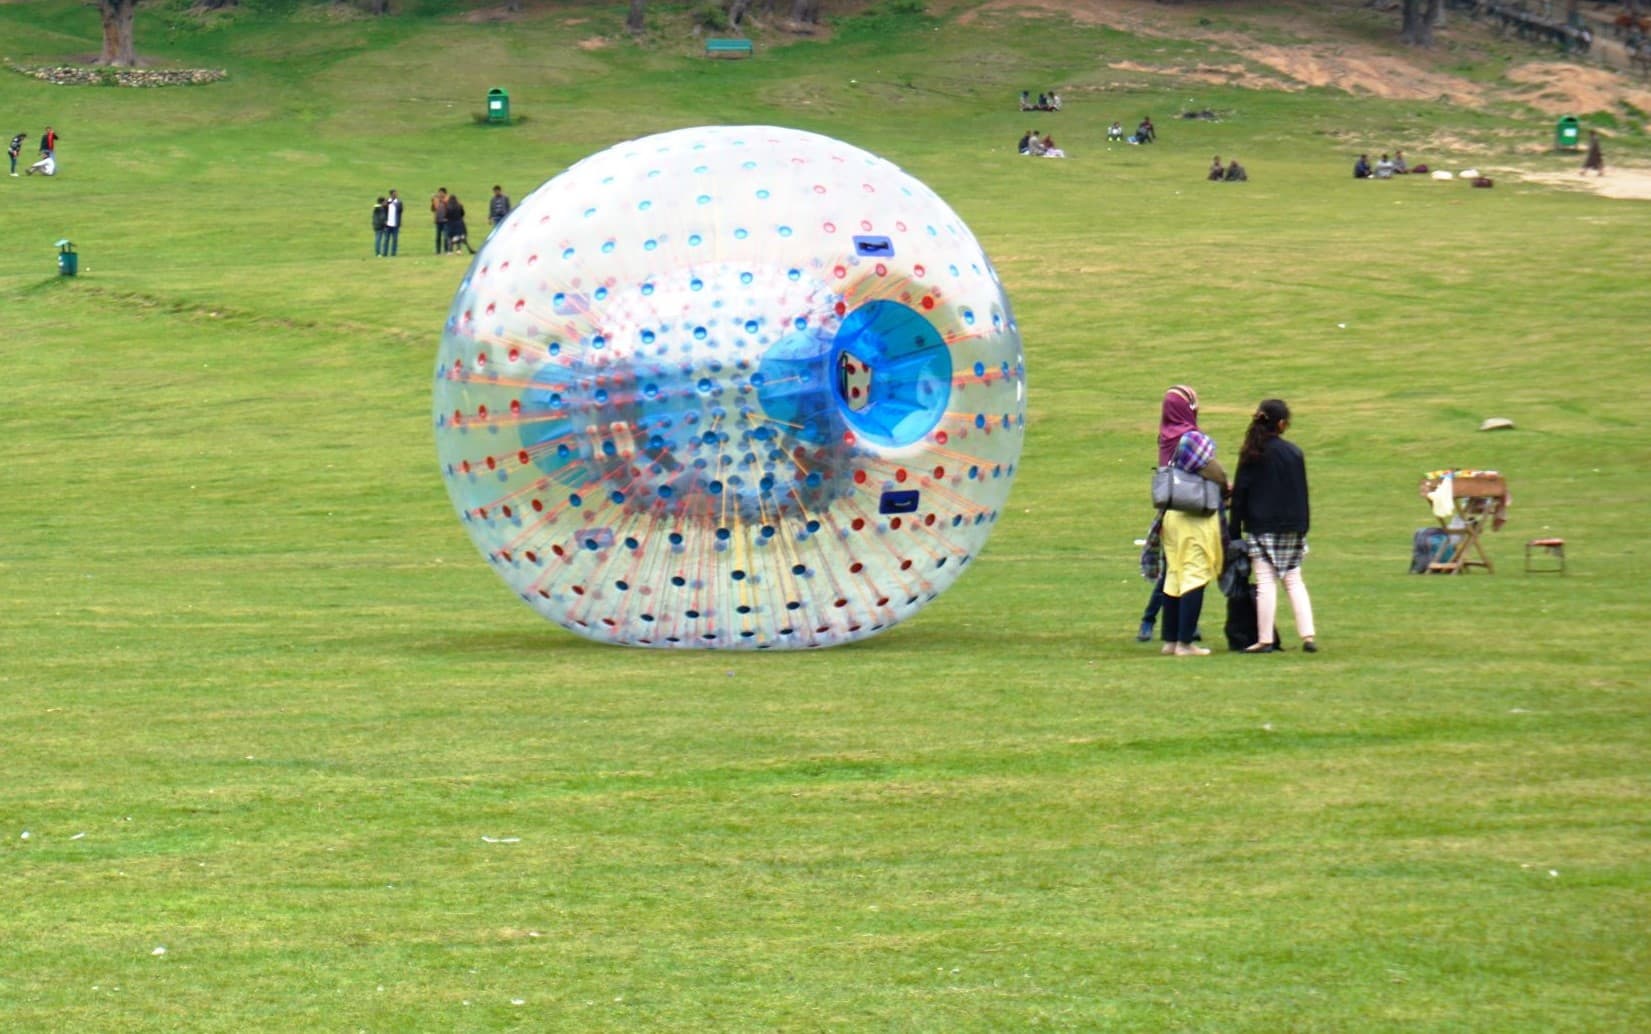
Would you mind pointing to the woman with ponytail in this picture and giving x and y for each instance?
(1270, 503)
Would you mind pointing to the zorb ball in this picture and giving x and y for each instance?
(733, 387)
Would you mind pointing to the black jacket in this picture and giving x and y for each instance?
(1270, 494)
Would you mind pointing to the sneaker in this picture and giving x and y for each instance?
(1308, 646)
(1191, 651)
(1145, 634)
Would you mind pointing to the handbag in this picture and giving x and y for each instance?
(1175, 489)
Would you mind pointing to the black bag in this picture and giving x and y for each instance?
(1235, 584)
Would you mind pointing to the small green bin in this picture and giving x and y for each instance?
(498, 106)
(1568, 133)
(68, 263)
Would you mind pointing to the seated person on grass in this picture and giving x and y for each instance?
(1217, 173)
(1236, 173)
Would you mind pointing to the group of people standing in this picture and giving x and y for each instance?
(47, 164)
(447, 212)
(1266, 498)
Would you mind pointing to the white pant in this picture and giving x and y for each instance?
(1266, 600)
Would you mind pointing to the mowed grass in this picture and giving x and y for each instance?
(262, 704)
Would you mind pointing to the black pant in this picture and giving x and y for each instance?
(1181, 615)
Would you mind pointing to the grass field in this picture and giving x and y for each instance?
(264, 707)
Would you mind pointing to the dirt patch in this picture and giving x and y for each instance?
(1382, 75)
(1353, 69)
(1560, 88)
(1625, 184)
(594, 43)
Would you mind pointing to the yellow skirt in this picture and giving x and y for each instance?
(1192, 551)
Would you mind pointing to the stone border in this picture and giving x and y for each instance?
(80, 75)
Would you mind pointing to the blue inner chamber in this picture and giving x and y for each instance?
(908, 386)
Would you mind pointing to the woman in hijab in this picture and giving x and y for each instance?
(1270, 502)
(1192, 549)
(1178, 416)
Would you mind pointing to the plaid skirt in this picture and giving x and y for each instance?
(1282, 550)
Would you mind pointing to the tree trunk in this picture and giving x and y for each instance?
(805, 11)
(634, 21)
(1434, 17)
(1417, 30)
(736, 11)
(117, 33)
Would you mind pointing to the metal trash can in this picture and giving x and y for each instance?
(68, 263)
(1568, 133)
(498, 105)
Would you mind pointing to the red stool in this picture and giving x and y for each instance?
(1553, 549)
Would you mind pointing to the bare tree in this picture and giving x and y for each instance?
(634, 22)
(117, 32)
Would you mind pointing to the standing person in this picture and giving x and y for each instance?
(438, 209)
(1270, 503)
(14, 150)
(1177, 416)
(48, 142)
(1595, 161)
(457, 235)
(381, 212)
(1192, 550)
(498, 207)
(392, 224)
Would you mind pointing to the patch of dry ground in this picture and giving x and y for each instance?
(1552, 87)
(1562, 88)
(1627, 184)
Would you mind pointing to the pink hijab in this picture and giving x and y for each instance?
(1180, 416)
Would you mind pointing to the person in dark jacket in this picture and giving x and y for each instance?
(457, 235)
(1270, 504)
(381, 217)
(498, 207)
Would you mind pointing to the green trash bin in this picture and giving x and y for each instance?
(498, 106)
(68, 263)
(1568, 133)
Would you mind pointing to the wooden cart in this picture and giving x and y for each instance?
(1479, 501)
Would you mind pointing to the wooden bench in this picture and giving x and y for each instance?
(728, 48)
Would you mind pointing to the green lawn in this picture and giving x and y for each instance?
(263, 705)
